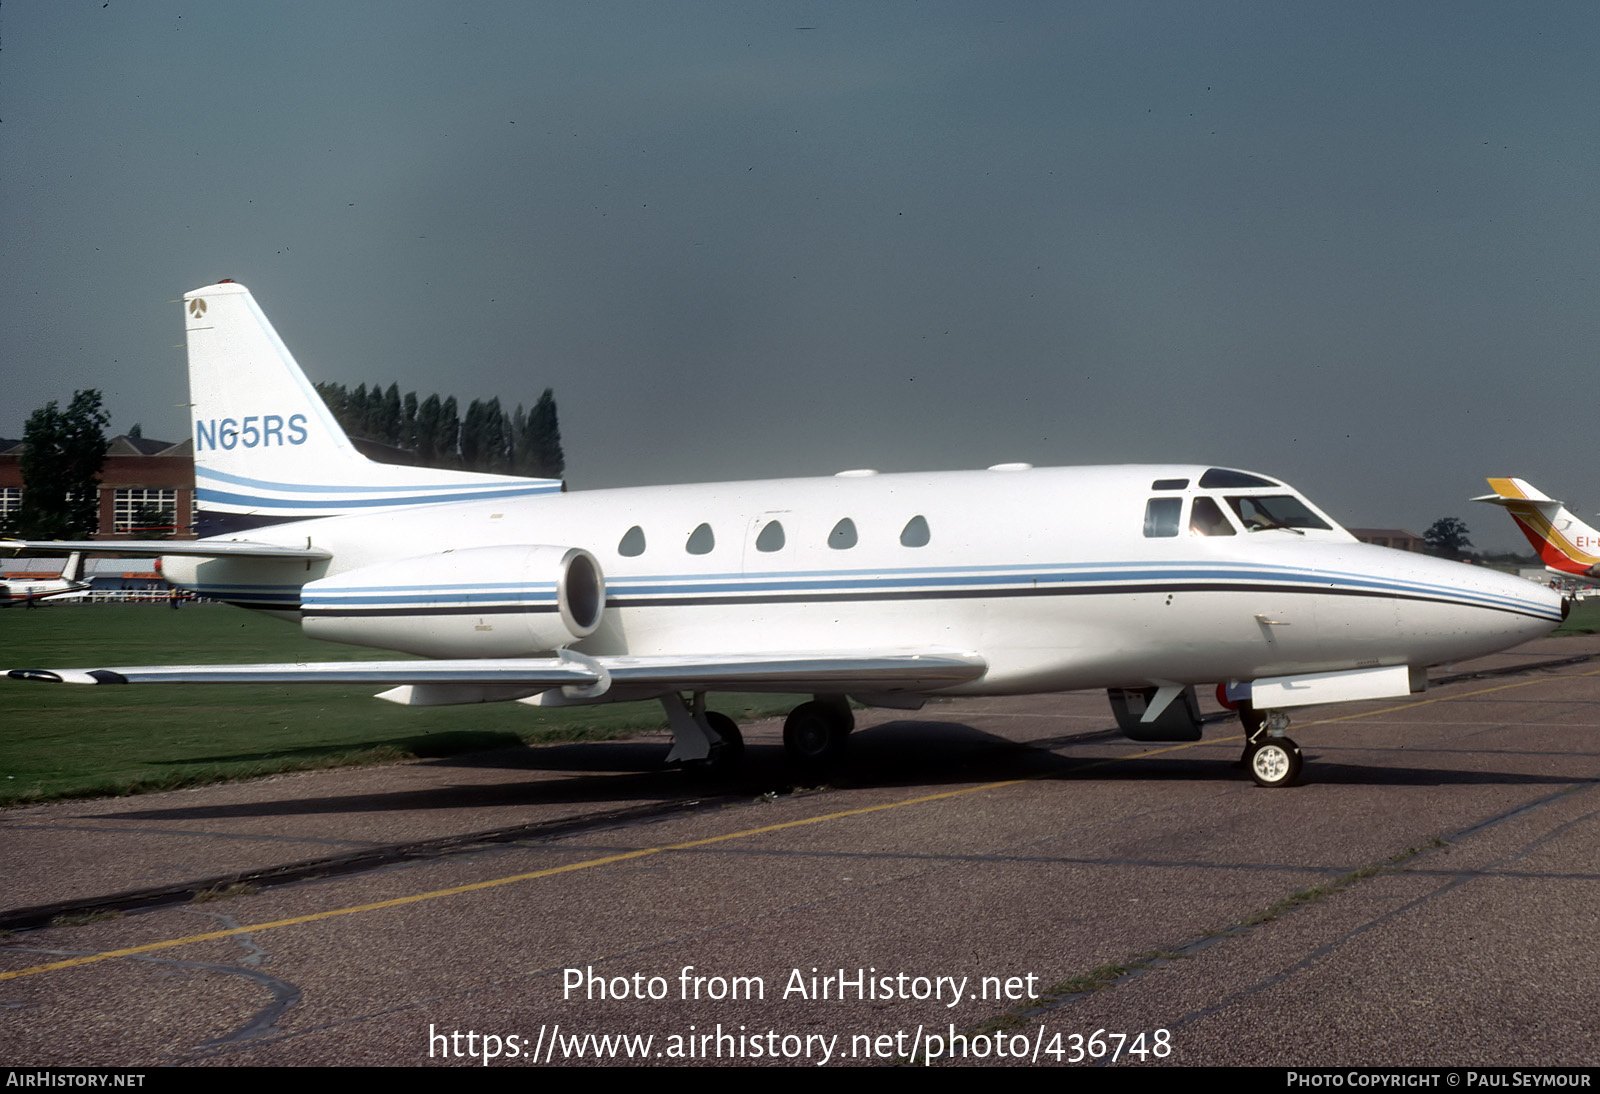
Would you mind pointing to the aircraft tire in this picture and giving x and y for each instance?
(814, 739)
(727, 752)
(1274, 762)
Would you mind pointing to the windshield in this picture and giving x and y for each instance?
(1260, 512)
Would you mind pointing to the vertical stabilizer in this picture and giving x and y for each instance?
(1565, 544)
(266, 447)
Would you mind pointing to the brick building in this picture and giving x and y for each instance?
(138, 472)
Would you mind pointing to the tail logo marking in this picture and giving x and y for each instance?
(197, 307)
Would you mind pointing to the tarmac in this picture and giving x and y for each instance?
(987, 881)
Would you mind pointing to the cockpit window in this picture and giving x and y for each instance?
(1261, 512)
(1207, 519)
(1221, 478)
(1169, 484)
(1161, 517)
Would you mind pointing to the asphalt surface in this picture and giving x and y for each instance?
(1427, 897)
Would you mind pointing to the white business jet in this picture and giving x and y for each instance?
(883, 588)
(30, 590)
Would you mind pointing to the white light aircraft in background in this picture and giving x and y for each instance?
(29, 590)
(1566, 545)
(885, 588)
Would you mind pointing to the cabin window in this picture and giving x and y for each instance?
(771, 538)
(1207, 519)
(1161, 517)
(1259, 512)
(915, 533)
(701, 541)
(632, 545)
(843, 536)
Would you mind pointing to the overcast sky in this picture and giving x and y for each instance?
(1355, 246)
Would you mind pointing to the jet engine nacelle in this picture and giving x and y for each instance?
(514, 601)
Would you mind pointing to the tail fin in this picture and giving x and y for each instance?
(266, 448)
(1565, 544)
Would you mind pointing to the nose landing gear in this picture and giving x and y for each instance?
(1271, 758)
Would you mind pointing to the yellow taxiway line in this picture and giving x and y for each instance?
(606, 860)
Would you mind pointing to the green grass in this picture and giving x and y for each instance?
(1584, 619)
(59, 740)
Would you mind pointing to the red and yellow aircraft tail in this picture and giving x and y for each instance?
(1565, 544)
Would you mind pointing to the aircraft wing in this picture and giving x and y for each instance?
(206, 548)
(582, 676)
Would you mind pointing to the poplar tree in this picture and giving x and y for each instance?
(540, 452)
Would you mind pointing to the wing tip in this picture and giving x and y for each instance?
(50, 676)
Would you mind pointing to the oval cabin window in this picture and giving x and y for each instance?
(771, 538)
(632, 545)
(915, 533)
(701, 541)
(843, 536)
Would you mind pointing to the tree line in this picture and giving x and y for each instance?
(64, 450)
(486, 439)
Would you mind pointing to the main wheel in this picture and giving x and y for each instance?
(727, 751)
(814, 737)
(1275, 761)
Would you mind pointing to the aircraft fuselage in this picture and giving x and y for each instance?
(1057, 577)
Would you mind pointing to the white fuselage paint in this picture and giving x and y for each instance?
(1044, 573)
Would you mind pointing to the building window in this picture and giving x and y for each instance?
(144, 509)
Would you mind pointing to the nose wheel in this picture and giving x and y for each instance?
(1274, 762)
(1271, 758)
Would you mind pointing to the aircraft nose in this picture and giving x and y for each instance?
(1519, 609)
(1448, 611)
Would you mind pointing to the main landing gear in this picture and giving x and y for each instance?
(708, 743)
(814, 736)
(705, 742)
(1271, 758)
